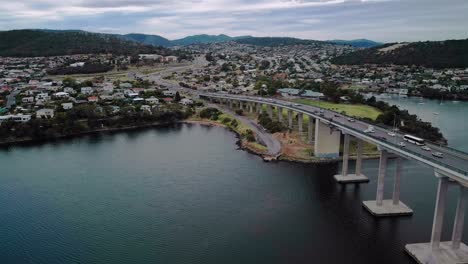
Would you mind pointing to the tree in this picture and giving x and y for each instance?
(177, 97)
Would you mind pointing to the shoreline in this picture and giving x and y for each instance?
(242, 144)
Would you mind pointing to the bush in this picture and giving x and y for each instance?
(234, 123)
(210, 113)
(270, 125)
(249, 135)
(226, 120)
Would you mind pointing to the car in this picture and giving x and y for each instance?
(370, 129)
(392, 134)
(351, 119)
(336, 115)
(402, 144)
(426, 148)
(297, 105)
(383, 138)
(438, 154)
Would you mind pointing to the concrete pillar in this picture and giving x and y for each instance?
(270, 111)
(310, 130)
(280, 114)
(231, 103)
(344, 168)
(360, 146)
(290, 119)
(439, 213)
(241, 105)
(327, 141)
(300, 119)
(459, 218)
(381, 177)
(396, 184)
(251, 107)
(259, 108)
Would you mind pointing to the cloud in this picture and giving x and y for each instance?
(382, 20)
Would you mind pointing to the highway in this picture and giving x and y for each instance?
(454, 162)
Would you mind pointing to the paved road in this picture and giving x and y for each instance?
(273, 145)
(454, 162)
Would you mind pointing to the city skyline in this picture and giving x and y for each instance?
(379, 20)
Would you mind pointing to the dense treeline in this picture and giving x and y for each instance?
(272, 126)
(433, 54)
(87, 68)
(82, 119)
(405, 121)
(32, 43)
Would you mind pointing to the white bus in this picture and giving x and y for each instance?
(414, 140)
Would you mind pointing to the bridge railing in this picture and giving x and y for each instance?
(409, 151)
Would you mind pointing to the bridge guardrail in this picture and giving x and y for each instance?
(377, 139)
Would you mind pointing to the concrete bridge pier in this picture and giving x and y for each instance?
(327, 141)
(241, 105)
(280, 114)
(290, 119)
(270, 111)
(438, 252)
(357, 177)
(259, 108)
(251, 107)
(310, 130)
(231, 103)
(381, 207)
(300, 120)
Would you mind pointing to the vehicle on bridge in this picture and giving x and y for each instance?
(414, 140)
(438, 154)
(370, 129)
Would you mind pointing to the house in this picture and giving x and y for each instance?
(186, 101)
(27, 100)
(138, 100)
(67, 106)
(125, 86)
(169, 93)
(93, 99)
(168, 100)
(86, 90)
(146, 108)
(61, 95)
(69, 90)
(45, 113)
(152, 100)
(43, 97)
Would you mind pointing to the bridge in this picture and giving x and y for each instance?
(327, 130)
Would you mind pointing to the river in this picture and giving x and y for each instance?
(186, 194)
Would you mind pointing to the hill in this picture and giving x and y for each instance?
(358, 43)
(153, 40)
(275, 41)
(30, 43)
(434, 54)
(201, 39)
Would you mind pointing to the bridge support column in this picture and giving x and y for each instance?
(259, 108)
(251, 107)
(241, 105)
(280, 114)
(381, 207)
(290, 119)
(231, 102)
(310, 130)
(270, 111)
(300, 120)
(327, 141)
(344, 177)
(449, 251)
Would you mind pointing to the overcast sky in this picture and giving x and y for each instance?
(380, 20)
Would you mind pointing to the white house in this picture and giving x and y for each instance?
(86, 90)
(67, 106)
(169, 93)
(61, 95)
(27, 100)
(45, 113)
(69, 90)
(146, 108)
(152, 100)
(186, 101)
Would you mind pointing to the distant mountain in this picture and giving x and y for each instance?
(434, 54)
(203, 39)
(276, 41)
(154, 40)
(28, 43)
(358, 43)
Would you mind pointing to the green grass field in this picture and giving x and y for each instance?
(363, 111)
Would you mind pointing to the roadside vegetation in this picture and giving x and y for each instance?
(355, 110)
